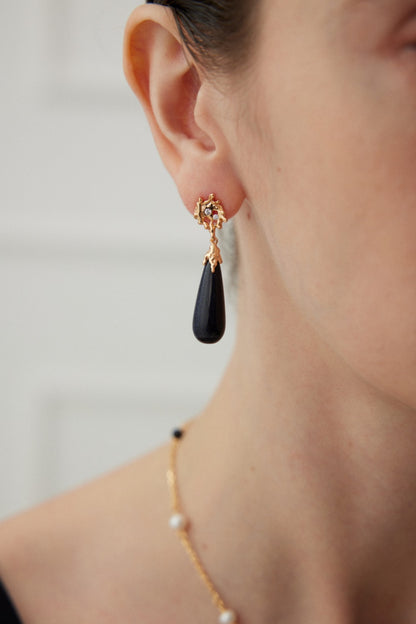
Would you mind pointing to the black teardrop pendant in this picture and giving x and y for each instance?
(209, 315)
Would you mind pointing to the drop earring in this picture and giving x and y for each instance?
(209, 314)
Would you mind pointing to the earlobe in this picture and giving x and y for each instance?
(170, 87)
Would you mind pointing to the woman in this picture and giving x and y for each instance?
(299, 477)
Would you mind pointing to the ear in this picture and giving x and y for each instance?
(183, 109)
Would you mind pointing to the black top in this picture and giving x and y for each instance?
(8, 613)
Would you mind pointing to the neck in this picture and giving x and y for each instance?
(314, 471)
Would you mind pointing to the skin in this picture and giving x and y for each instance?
(309, 512)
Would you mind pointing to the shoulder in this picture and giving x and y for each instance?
(76, 548)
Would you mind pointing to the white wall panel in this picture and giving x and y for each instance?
(99, 262)
(83, 42)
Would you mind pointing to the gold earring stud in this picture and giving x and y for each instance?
(210, 214)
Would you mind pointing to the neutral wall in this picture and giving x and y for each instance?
(99, 261)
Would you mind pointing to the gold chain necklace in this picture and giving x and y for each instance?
(180, 523)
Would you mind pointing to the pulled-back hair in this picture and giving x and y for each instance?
(218, 33)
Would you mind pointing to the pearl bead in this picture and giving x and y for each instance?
(177, 521)
(228, 617)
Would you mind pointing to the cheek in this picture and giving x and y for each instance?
(342, 228)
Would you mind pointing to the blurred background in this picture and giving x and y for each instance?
(99, 261)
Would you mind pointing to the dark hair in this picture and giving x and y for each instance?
(218, 33)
